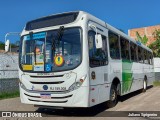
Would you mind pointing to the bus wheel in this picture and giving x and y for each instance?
(144, 86)
(113, 97)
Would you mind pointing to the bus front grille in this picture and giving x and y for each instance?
(58, 82)
(53, 76)
(68, 96)
(49, 101)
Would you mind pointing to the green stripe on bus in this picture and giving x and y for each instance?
(126, 75)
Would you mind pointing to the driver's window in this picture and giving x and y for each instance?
(114, 45)
(97, 57)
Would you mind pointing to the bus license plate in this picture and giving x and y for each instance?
(45, 96)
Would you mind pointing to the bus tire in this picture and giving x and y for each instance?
(144, 85)
(113, 97)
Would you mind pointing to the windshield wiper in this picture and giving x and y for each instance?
(60, 33)
(59, 36)
(56, 41)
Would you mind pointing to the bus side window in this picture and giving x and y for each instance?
(97, 57)
(140, 54)
(148, 57)
(114, 45)
(145, 56)
(104, 48)
(124, 49)
(151, 58)
(133, 48)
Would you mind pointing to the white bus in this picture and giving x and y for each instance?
(77, 60)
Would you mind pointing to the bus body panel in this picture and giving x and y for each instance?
(99, 76)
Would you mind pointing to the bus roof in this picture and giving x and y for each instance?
(71, 17)
(108, 26)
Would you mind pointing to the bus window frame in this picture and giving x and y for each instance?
(112, 32)
(107, 60)
(129, 51)
(136, 51)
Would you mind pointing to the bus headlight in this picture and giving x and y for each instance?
(77, 84)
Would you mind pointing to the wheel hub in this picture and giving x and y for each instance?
(113, 95)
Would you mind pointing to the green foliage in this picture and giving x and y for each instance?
(155, 46)
(13, 45)
(5, 95)
(156, 34)
(2, 46)
(156, 83)
(143, 39)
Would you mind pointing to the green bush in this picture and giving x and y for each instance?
(156, 83)
(5, 95)
(2, 46)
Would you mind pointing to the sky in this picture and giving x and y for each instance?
(122, 14)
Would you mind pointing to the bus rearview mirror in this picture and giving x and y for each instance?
(98, 41)
(7, 43)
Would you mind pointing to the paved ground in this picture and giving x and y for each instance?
(137, 101)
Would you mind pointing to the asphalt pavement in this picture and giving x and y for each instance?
(136, 101)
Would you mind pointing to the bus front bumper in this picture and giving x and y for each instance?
(75, 98)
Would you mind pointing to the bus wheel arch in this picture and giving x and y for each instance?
(117, 83)
(114, 92)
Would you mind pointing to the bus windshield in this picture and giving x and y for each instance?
(45, 52)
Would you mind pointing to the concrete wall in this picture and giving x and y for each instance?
(157, 76)
(156, 62)
(157, 68)
(9, 85)
(8, 66)
(8, 72)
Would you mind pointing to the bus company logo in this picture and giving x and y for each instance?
(45, 87)
(93, 75)
(6, 114)
(32, 87)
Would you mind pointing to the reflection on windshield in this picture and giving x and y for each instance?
(43, 52)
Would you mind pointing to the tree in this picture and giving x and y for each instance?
(155, 46)
(2, 46)
(156, 34)
(143, 39)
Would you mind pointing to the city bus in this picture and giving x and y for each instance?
(74, 59)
